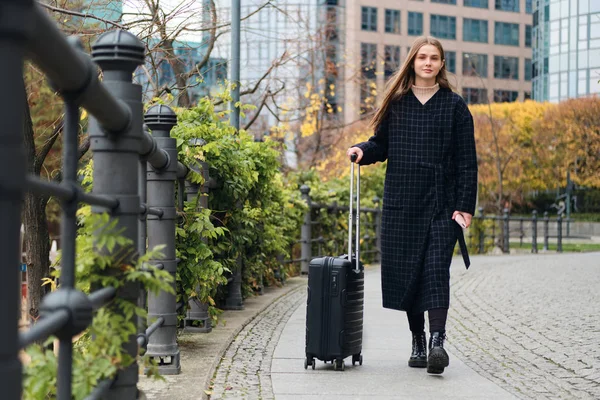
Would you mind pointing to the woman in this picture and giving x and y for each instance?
(425, 131)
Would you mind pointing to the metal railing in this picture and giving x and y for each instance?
(313, 235)
(134, 182)
(503, 228)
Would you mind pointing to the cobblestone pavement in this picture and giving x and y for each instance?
(244, 371)
(530, 323)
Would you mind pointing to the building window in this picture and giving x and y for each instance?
(450, 61)
(368, 59)
(368, 94)
(475, 65)
(475, 30)
(415, 23)
(369, 19)
(505, 96)
(444, 1)
(392, 60)
(528, 7)
(475, 95)
(392, 21)
(507, 5)
(506, 67)
(528, 36)
(443, 26)
(528, 69)
(506, 33)
(476, 3)
(526, 95)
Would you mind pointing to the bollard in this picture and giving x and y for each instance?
(305, 236)
(234, 300)
(559, 222)
(377, 218)
(162, 345)
(116, 158)
(534, 220)
(546, 233)
(481, 232)
(197, 319)
(506, 233)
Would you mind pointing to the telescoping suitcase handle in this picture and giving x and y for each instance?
(353, 158)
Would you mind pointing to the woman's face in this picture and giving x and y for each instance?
(428, 63)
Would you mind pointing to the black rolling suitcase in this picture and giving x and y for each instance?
(334, 309)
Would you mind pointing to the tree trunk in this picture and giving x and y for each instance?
(37, 237)
(37, 245)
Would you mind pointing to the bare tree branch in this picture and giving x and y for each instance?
(41, 156)
(211, 43)
(82, 15)
(269, 95)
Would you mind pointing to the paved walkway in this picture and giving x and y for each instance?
(384, 373)
(520, 326)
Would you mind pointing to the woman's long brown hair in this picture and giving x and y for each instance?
(403, 79)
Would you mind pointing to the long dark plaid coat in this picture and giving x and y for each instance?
(431, 172)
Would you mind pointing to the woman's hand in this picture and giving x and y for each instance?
(466, 217)
(357, 151)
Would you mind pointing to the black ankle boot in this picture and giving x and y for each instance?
(418, 358)
(438, 358)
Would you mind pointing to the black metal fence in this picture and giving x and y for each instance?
(324, 232)
(134, 182)
(490, 231)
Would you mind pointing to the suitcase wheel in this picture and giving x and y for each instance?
(339, 364)
(357, 358)
(310, 362)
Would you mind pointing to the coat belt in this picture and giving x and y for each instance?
(440, 190)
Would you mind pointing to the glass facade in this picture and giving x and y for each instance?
(368, 59)
(506, 67)
(392, 21)
(444, 1)
(392, 60)
(450, 61)
(476, 3)
(566, 49)
(527, 69)
(507, 5)
(369, 19)
(443, 26)
(475, 65)
(527, 35)
(415, 23)
(506, 33)
(475, 30)
(504, 96)
(475, 95)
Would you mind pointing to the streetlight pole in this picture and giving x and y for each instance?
(234, 300)
(235, 64)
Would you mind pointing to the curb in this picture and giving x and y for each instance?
(292, 285)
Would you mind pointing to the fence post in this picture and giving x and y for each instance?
(377, 201)
(116, 158)
(534, 221)
(162, 345)
(305, 236)
(198, 311)
(506, 233)
(559, 221)
(546, 233)
(12, 177)
(481, 232)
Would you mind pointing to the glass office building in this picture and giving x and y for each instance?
(566, 49)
